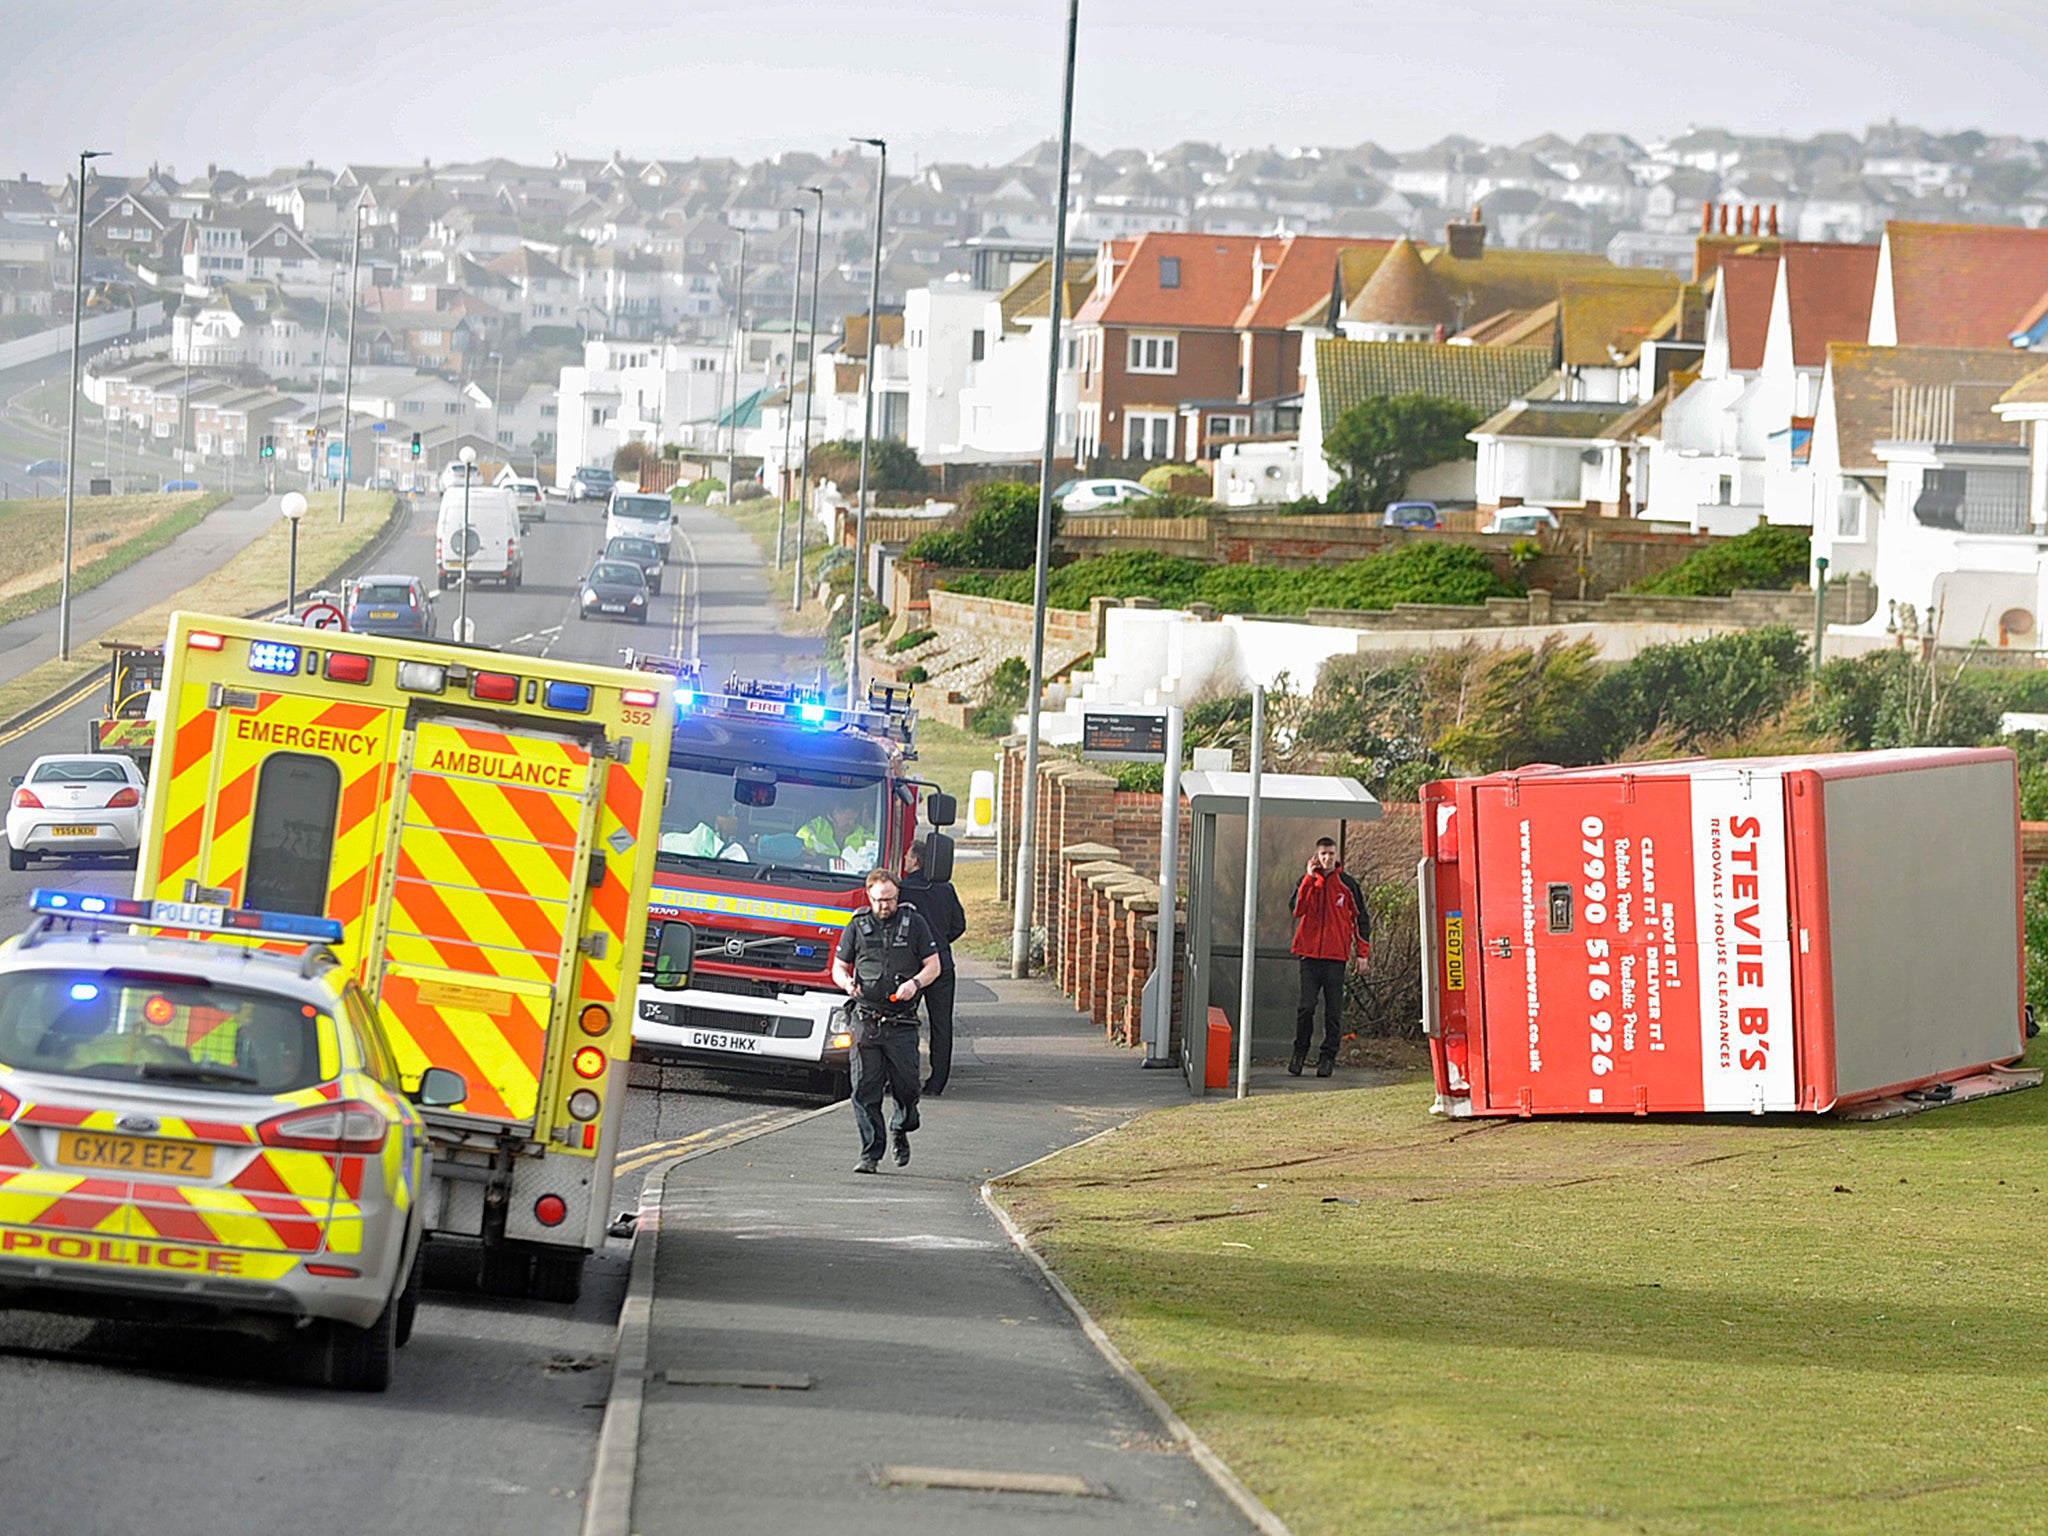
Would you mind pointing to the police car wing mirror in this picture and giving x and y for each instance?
(440, 1088)
(936, 857)
(675, 952)
(941, 809)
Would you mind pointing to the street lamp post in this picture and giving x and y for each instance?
(796, 298)
(468, 457)
(293, 507)
(739, 348)
(348, 366)
(867, 428)
(497, 388)
(320, 388)
(796, 593)
(71, 431)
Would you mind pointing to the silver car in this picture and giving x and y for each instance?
(201, 1133)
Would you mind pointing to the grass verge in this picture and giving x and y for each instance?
(1394, 1324)
(251, 580)
(111, 532)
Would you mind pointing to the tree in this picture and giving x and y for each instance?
(1001, 531)
(892, 465)
(632, 458)
(1380, 442)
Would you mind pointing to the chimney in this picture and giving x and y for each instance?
(1774, 221)
(1724, 218)
(1707, 218)
(1756, 219)
(1466, 241)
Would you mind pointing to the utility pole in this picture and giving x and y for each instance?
(348, 367)
(320, 389)
(867, 430)
(739, 347)
(1027, 821)
(796, 592)
(71, 427)
(796, 298)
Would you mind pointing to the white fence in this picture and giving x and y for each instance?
(31, 349)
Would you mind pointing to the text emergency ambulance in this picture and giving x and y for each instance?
(482, 827)
(777, 806)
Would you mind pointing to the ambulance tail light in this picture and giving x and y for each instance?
(25, 800)
(589, 1062)
(347, 667)
(122, 799)
(595, 1019)
(350, 1127)
(205, 640)
(422, 677)
(639, 698)
(584, 1104)
(495, 687)
(551, 1210)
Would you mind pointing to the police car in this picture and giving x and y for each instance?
(200, 1130)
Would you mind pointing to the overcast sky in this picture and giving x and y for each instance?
(262, 83)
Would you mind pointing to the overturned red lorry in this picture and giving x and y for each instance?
(1762, 935)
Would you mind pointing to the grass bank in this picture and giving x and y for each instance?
(253, 579)
(1392, 1324)
(108, 534)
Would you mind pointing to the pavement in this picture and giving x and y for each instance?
(901, 1324)
(197, 552)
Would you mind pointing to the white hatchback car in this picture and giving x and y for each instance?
(1099, 495)
(75, 803)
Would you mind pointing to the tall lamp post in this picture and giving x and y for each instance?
(867, 429)
(293, 507)
(71, 430)
(468, 457)
(348, 366)
(739, 348)
(796, 592)
(1027, 821)
(796, 298)
(498, 389)
(320, 388)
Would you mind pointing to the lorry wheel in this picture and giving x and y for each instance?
(350, 1359)
(557, 1277)
(504, 1270)
(409, 1298)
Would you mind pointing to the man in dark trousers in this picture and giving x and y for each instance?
(1330, 927)
(886, 957)
(939, 905)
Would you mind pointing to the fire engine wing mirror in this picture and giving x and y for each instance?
(440, 1088)
(675, 952)
(753, 786)
(941, 809)
(936, 857)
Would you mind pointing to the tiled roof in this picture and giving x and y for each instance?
(1215, 280)
(1356, 263)
(1300, 269)
(1600, 321)
(1964, 285)
(1026, 298)
(1867, 383)
(1512, 279)
(890, 326)
(1556, 420)
(1401, 292)
(2031, 390)
(1644, 420)
(1828, 289)
(1747, 286)
(1485, 378)
(1515, 328)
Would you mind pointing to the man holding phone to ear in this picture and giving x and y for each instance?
(885, 959)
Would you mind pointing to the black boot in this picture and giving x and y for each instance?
(902, 1149)
(1294, 1063)
(1325, 1067)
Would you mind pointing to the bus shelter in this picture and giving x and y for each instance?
(1294, 810)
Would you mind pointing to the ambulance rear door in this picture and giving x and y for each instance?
(489, 862)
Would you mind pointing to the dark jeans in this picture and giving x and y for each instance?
(938, 1007)
(884, 1056)
(1324, 978)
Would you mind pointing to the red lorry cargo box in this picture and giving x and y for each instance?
(1796, 933)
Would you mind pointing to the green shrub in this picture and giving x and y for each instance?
(1160, 477)
(1008, 687)
(911, 641)
(1171, 504)
(1000, 534)
(1770, 557)
(916, 675)
(1693, 693)
(697, 492)
(1894, 699)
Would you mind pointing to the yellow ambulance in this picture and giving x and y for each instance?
(483, 827)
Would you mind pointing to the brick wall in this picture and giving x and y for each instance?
(1004, 629)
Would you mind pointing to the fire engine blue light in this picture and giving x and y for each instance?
(572, 697)
(273, 656)
(686, 698)
(83, 991)
(812, 714)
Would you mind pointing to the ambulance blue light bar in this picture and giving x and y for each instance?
(191, 917)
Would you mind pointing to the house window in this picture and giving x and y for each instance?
(597, 415)
(1154, 354)
(1229, 426)
(1849, 513)
(1724, 491)
(978, 347)
(704, 365)
(1148, 434)
(1169, 271)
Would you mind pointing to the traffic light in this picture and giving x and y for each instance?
(269, 446)
(415, 445)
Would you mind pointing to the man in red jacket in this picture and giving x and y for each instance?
(1330, 927)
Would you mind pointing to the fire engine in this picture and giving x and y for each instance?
(482, 827)
(134, 673)
(778, 805)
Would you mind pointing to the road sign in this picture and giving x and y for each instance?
(1123, 738)
(324, 616)
(465, 631)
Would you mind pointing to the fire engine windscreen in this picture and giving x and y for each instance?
(788, 824)
(105, 1024)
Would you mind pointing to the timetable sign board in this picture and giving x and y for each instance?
(1123, 738)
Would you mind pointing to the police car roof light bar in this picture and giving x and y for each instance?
(188, 917)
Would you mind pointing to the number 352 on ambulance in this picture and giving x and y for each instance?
(482, 827)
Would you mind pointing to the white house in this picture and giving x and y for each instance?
(1708, 469)
(1002, 401)
(948, 327)
(647, 392)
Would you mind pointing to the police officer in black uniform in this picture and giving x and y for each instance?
(886, 957)
(939, 905)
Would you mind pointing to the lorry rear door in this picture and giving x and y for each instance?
(485, 884)
(1632, 943)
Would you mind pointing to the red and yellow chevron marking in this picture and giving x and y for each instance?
(184, 775)
(126, 735)
(490, 1029)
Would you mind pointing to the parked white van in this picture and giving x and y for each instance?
(641, 515)
(487, 533)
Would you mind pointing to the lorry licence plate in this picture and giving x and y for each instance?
(708, 1040)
